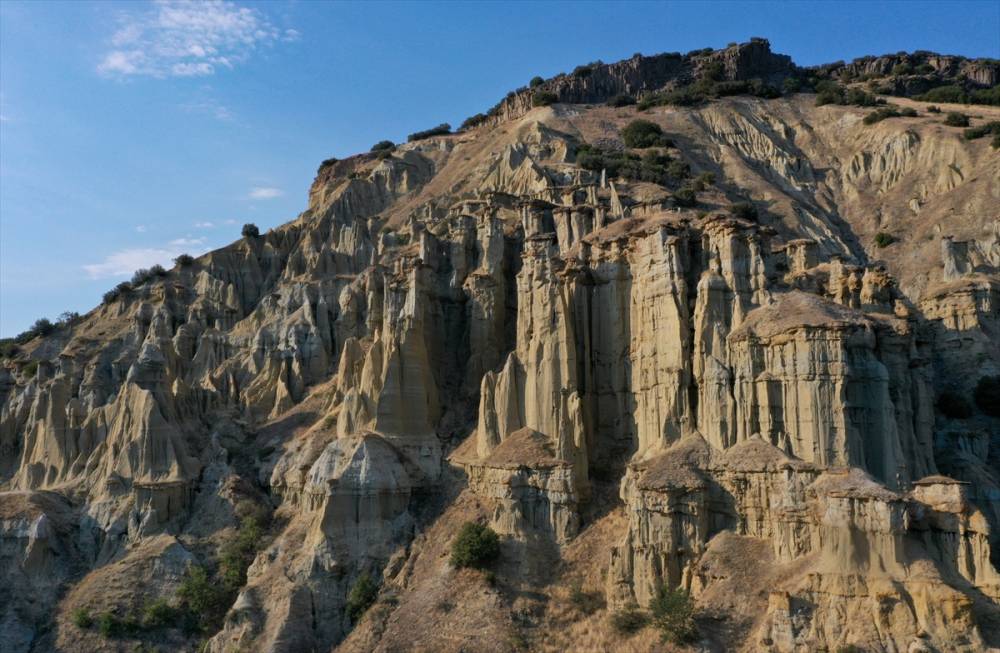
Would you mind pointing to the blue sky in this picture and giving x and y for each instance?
(131, 132)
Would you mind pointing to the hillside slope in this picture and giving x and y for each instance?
(743, 362)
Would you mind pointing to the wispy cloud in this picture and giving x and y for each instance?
(185, 38)
(264, 193)
(209, 108)
(204, 225)
(126, 261)
(140, 228)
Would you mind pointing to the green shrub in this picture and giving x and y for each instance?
(81, 618)
(972, 133)
(949, 93)
(987, 395)
(159, 614)
(791, 85)
(236, 554)
(158, 271)
(995, 143)
(953, 405)
(586, 602)
(685, 197)
(673, 615)
(475, 546)
(621, 100)
(986, 96)
(651, 166)
(327, 162)
(111, 625)
(744, 210)
(107, 624)
(642, 133)
(441, 130)
(473, 121)
(902, 69)
(883, 239)
(679, 170)
(203, 597)
(933, 109)
(629, 620)
(30, 369)
(543, 98)
(8, 348)
(956, 119)
(703, 181)
(184, 260)
(140, 277)
(383, 145)
(250, 230)
(361, 597)
(890, 111)
(535, 82)
(857, 97)
(925, 69)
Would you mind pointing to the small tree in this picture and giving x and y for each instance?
(685, 197)
(744, 210)
(184, 260)
(383, 145)
(883, 239)
(536, 81)
(250, 230)
(642, 133)
(543, 98)
(361, 596)
(81, 618)
(475, 546)
(956, 119)
(673, 614)
(158, 614)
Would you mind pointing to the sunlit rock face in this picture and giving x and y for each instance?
(764, 408)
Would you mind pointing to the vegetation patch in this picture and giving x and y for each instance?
(629, 620)
(972, 133)
(585, 602)
(889, 111)
(744, 210)
(475, 546)
(673, 615)
(361, 597)
(643, 133)
(883, 239)
(543, 98)
(441, 130)
(956, 119)
(250, 230)
(621, 100)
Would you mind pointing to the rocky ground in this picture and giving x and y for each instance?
(750, 396)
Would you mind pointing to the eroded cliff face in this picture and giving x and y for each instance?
(476, 327)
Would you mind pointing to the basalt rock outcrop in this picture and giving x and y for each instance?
(633, 392)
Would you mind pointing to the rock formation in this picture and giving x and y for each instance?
(768, 408)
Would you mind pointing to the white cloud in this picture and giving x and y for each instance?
(208, 107)
(263, 193)
(186, 38)
(230, 221)
(204, 225)
(187, 242)
(140, 228)
(124, 262)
